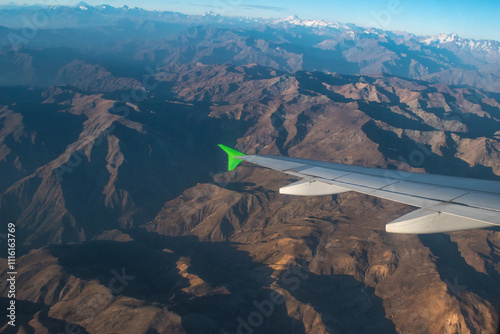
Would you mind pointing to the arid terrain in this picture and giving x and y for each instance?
(128, 222)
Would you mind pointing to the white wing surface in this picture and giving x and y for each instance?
(447, 203)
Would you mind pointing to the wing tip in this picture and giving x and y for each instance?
(232, 162)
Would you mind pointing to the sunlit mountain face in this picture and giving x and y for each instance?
(128, 222)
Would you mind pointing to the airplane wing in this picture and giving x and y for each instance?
(446, 203)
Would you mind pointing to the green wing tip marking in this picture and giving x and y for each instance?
(231, 153)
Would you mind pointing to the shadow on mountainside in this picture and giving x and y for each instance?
(232, 288)
(403, 148)
(346, 305)
(458, 274)
(231, 281)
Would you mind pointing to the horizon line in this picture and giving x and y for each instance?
(25, 5)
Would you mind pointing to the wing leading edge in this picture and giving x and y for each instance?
(446, 203)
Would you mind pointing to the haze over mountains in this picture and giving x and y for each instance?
(289, 44)
(109, 120)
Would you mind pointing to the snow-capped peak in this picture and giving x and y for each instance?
(441, 38)
(464, 43)
(211, 13)
(292, 18)
(295, 20)
(82, 5)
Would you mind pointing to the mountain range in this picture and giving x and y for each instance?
(289, 44)
(128, 222)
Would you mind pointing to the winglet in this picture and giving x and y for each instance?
(232, 162)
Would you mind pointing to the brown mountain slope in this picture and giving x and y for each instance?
(140, 190)
(372, 121)
(329, 257)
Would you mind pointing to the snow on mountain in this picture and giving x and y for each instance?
(479, 48)
(295, 20)
(464, 43)
(211, 13)
(83, 5)
(441, 38)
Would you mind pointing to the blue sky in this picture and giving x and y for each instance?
(475, 19)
